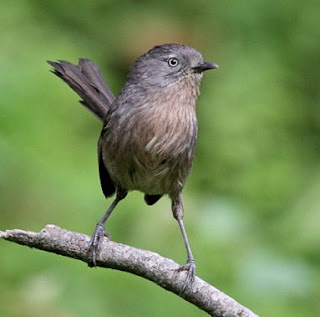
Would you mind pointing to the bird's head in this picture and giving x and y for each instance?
(167, 64)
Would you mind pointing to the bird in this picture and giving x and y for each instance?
(149, 131)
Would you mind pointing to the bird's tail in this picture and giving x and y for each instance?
(86, 80)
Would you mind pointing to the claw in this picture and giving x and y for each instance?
(96, 238)
(190, 267)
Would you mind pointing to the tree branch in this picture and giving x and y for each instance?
(147, 264)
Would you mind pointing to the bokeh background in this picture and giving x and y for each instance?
(252, 201)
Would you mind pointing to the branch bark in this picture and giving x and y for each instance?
(147, 264)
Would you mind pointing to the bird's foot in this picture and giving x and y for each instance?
(96, 238)
(190, 267)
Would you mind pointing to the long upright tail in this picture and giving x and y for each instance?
(86, 80)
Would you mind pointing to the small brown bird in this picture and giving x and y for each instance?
(149, 131)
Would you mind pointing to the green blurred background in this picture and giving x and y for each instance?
(252, 201)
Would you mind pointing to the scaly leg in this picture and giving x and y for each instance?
(99, 232)
(190, 266)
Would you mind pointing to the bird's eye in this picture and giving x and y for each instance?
(173, 62)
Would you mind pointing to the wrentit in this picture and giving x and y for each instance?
(149, 131)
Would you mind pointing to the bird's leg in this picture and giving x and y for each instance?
(190, 266)
(99, 232)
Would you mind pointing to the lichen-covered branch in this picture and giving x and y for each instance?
(147, 264)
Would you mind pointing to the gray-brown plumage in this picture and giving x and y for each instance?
(149, 131)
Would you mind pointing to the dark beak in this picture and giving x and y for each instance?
(205, 66)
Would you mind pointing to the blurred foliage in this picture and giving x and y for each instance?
(252, 201)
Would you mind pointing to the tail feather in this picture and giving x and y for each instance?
(86, 80)
(92, 72)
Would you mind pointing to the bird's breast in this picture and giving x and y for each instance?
(153, 148)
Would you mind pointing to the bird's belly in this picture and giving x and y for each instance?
(149, 174)
(155, 152)
(152, 179)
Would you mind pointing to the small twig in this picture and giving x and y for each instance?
(147, 264)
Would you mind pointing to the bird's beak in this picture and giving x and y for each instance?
(201, 67)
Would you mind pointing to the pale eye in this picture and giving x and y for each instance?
(173, 62)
